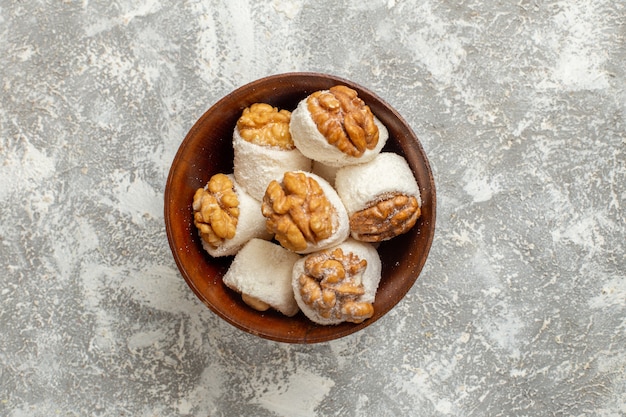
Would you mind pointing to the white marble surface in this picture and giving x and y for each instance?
(520, 310)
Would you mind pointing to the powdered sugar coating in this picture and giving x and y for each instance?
(263, 270)
(314, 145)
(360, 185)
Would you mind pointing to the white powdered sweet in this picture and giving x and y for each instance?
(314, 145)
(263, 270)
(255, 166)
(369, 278)
(361, 185)
(250, 224)
(341, 222)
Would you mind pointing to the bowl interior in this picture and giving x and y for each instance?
(207, 150)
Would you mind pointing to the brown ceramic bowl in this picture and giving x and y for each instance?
(207, 150)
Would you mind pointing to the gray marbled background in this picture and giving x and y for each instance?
(520, 310)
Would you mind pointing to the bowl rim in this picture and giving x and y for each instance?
(339, 330)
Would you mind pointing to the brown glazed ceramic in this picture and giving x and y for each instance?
(207, 150)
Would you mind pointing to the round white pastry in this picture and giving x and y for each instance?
(262, 272)
(313, 144)
(250, 224)
(388, 173)
(340, 227)
(369, 278)
(254, 165)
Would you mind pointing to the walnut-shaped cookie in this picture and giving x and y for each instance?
(382, 197)
(304, 212)
(226, 216)
(338, 284)
(336, 128)
(263, 148)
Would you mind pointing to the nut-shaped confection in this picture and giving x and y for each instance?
(216, 210)
(344, 119)
(304, 212)
(336, 128)
(388, 216)
(226, 216)
(263, 148)
(266, 126)
(381, 196)
(338, 284)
